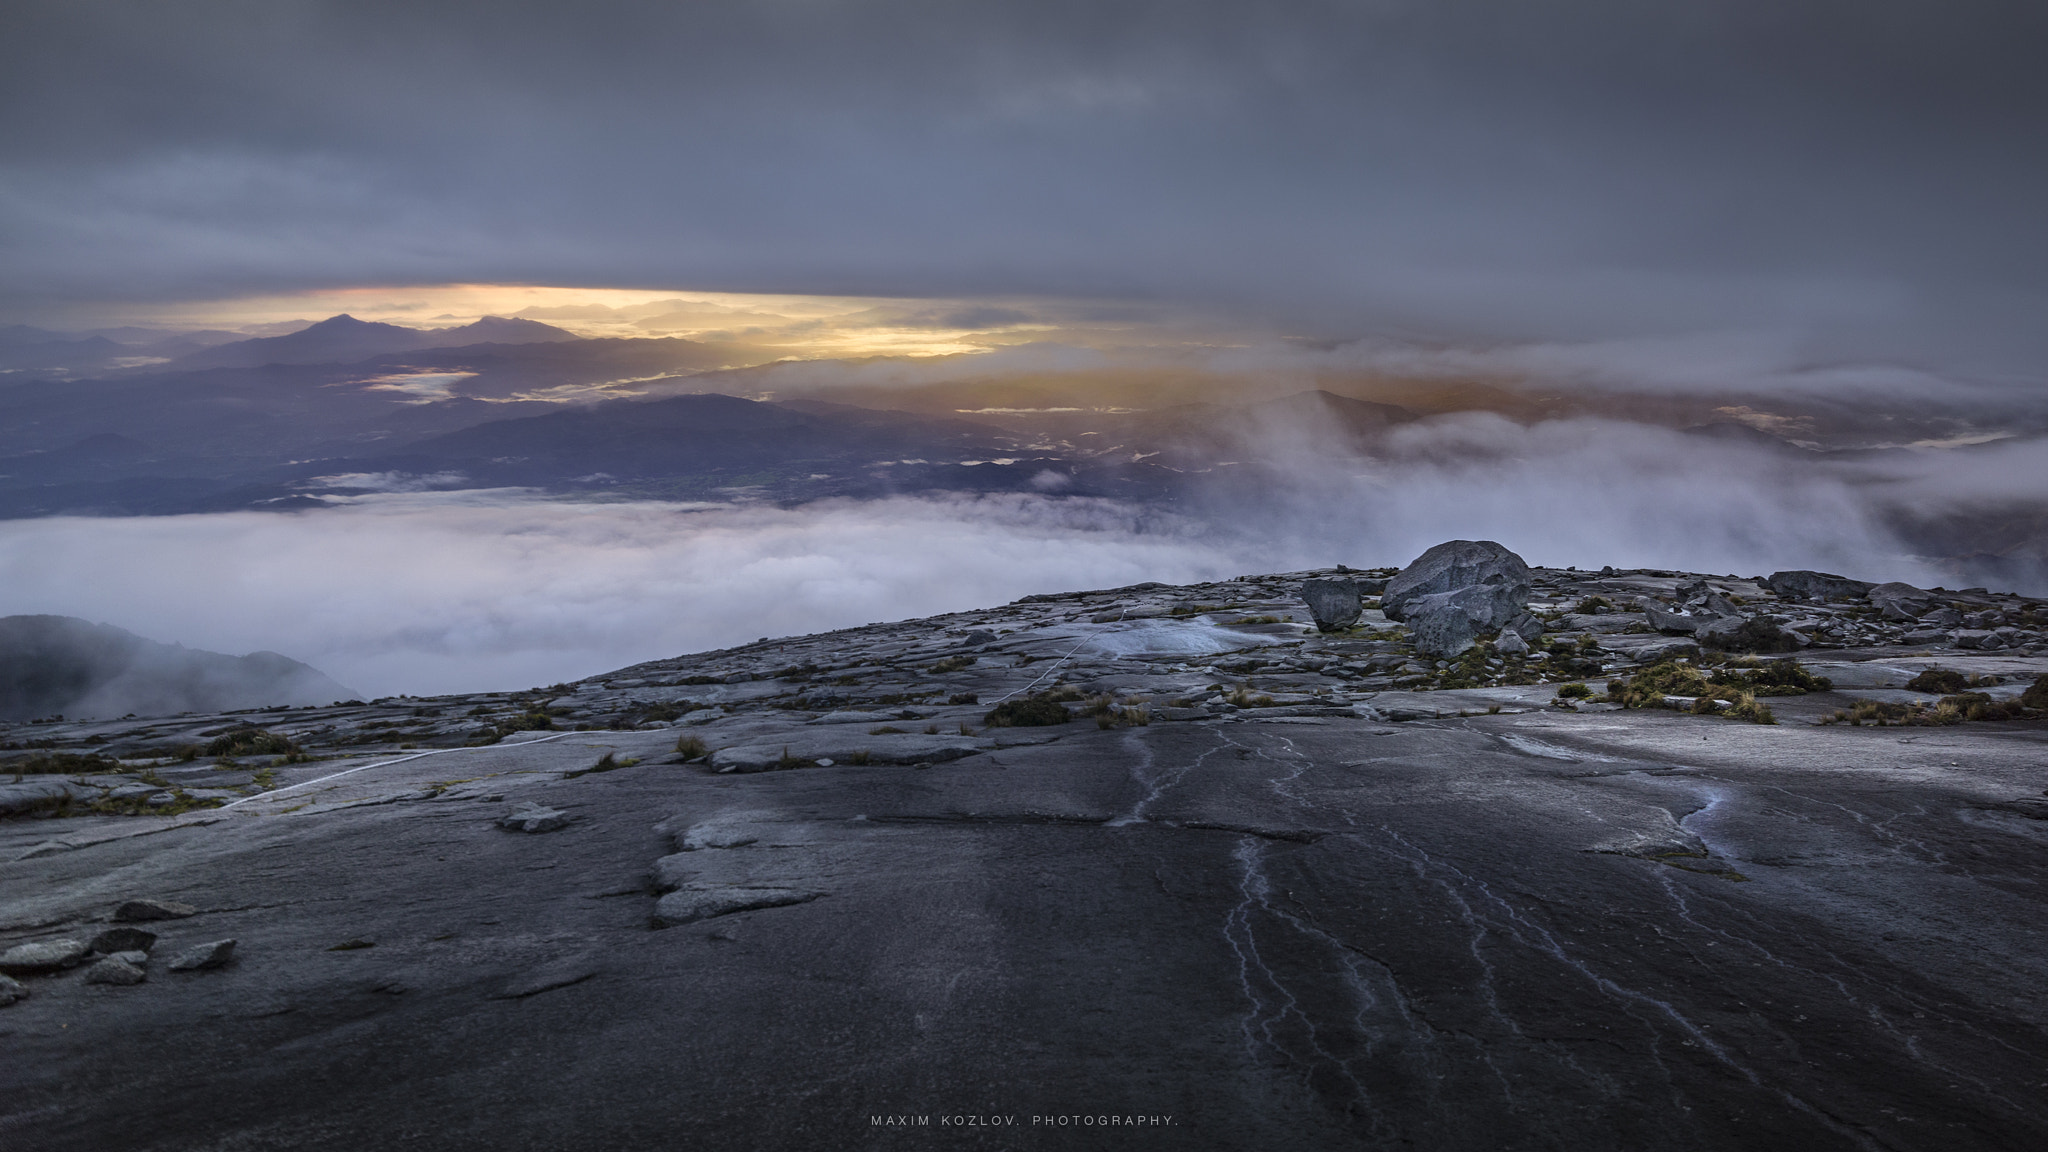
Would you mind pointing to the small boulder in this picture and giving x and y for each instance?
(531, 817)
(1511, 643)
(11, 990)
(977, 638)
(1980, 639)
(123, 940)
(42, 956)
(1457, 564)
(1335, 604)
(1749, 634)
(135, 910)
(1803, 584)
(1665, 620)
(1525, 625)
(209, 955)
(114, 970)
(1901, 602)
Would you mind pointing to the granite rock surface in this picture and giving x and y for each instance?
(1278, 886)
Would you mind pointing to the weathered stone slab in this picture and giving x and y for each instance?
(213, 954)
(123, 940)
(531, 817)
(688, 905)
(42, 956)
(145, 910)
(114, 970)
(842, 747)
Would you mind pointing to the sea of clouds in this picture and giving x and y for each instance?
(421, 593)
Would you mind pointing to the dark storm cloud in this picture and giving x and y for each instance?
(1561, 169)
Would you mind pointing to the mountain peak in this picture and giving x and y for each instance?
(343, 322)
(505, 330)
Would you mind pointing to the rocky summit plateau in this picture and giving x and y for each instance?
(1462, 855)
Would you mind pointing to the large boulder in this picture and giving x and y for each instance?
(1460, 564)
(1447, 623)
(1336, 604)
(1803, 584)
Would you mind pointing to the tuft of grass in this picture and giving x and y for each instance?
(1244, 697)
(1944, 682)
(606, 763)
(692, 748)
(70, 763)
(1036, 711)
(1748, 707)
(964, 698)
(952, 664)
(251, 742)
(1576, 690)
(1887, 715)
(1736, 685)
(886, 730)
(862, 757)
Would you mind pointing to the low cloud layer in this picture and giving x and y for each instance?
(424, 593)
(494, 591)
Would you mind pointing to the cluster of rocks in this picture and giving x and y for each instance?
(118, 956)
(1461, 591)
(1465, 614)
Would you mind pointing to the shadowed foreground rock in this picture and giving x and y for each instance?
(1265, 887)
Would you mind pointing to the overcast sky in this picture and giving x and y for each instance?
(1514, 168)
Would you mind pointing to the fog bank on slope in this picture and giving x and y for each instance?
(60, 665)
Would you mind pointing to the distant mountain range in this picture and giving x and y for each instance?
(132, 421)
(63, 665)
(344, 340)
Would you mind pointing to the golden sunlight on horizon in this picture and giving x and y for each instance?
(797, 326)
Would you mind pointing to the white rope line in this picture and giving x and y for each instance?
(1062, 660)
(379, 764)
